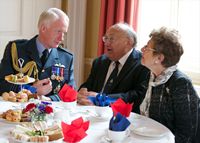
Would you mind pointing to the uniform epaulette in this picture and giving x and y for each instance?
(19, 41)
(64, 49)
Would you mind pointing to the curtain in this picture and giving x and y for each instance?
(114, 11)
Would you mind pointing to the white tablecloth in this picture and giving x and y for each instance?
(143, 129)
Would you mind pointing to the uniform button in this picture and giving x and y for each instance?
(43, 70)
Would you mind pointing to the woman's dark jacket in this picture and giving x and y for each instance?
(175, 104)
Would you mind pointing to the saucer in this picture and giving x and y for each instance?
(98, 118)
(149, 132)
(102, 117)
(91, 115)
(106, 139)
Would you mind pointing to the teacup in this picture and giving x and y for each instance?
(69, 105)
(118, 136)
(102, 111)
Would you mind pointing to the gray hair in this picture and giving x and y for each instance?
(127, 29)
(51, 15)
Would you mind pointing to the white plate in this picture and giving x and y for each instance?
(98, 118)
(10, 122)
(19, 105)
(31, 80)
(19, 141)
(105, 139)
(94, 116)
(149, 132)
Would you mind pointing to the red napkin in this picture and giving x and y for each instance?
(76, 131)
(68, 94)
(121, 107)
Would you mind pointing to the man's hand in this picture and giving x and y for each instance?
(83, 100)
(43, 86)
(82, 97)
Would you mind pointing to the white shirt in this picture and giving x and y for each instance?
(122, 61)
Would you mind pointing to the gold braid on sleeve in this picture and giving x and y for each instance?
(28, 68)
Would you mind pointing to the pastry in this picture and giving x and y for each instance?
(17, 78)
(5, 96)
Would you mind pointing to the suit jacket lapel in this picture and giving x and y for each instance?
(103, 72)
(129, 64)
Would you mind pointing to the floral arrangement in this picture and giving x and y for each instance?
(38, 111)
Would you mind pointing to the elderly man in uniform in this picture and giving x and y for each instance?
(51, 65)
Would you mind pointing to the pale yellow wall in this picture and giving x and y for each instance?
(92, 29)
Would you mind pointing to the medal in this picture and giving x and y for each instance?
(62, 73)
(57, 72)
(53, 73)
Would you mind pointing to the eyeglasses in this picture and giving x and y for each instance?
(148, 49)
(107, 39)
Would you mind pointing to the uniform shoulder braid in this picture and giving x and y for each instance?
(60, 48)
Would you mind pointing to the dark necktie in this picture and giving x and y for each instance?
(44, 57)
(111, 78)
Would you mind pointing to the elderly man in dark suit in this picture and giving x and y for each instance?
(131, 81)
(53, 63)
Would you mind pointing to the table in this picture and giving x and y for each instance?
(142, 128)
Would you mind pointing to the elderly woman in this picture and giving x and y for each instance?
(171, 98)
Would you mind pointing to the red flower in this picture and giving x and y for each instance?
(48, 109)
(30, 107)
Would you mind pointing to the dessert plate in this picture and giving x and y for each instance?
(31, 80)
(106, 139)
(94, 116)
(149, 132)
(9, 122)
(20, 141)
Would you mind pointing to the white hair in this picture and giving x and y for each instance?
(51, 15)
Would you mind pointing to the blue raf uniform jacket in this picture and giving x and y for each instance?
(27, 50)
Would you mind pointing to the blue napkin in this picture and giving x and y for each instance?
(119, 123)
(28, 87)
(101, 100)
